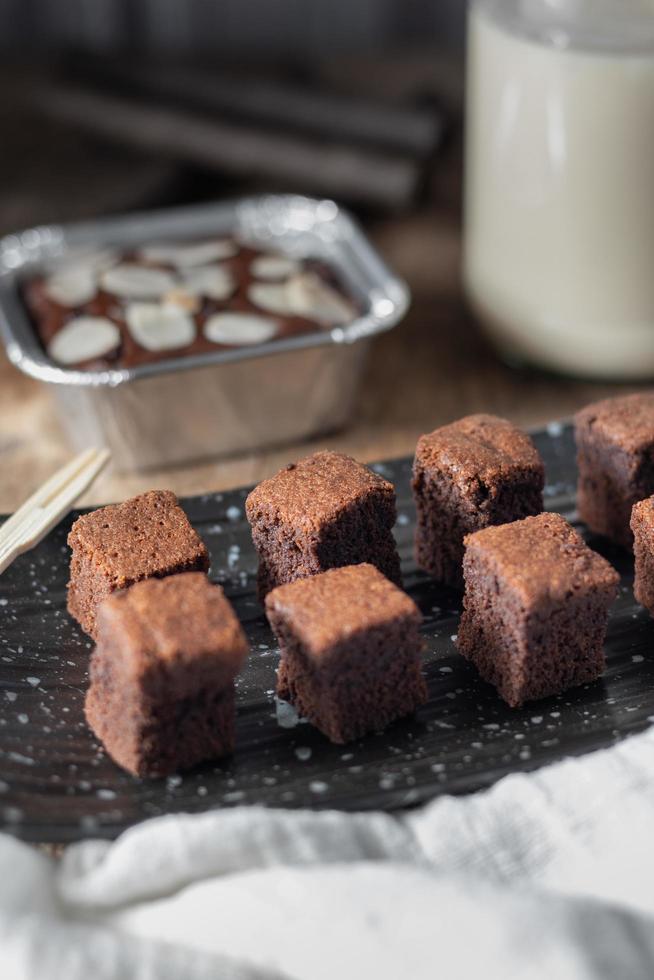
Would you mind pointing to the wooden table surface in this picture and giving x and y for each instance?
(432, 368)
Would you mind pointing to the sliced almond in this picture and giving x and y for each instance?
(83, 339)
(215, 281)
(272, 297)
(183, 256)
(90, 259)
(274, 267)
(72, 286)
(137, 282)
(240, 329)
(310, 296)
(160, 326)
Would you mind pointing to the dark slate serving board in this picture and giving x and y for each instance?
(57, 785)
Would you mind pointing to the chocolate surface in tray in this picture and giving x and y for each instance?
(50, 318)
(57, 785)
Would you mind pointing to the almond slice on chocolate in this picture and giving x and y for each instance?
(305, 295)
(83, 339)
(272, 297)
(137, 282)
(160, 326)
(183, 256)
(81, 257)
(274, 267)
(215, 281)
(72, 286)
(240, 329)
(310, 296)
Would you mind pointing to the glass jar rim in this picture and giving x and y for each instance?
(569, 24)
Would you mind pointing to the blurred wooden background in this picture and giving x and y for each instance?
(432, 368)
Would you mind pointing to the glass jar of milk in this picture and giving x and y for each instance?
(559, 184)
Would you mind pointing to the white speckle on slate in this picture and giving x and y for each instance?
(536, 719)
(24, 760)
(347, 756)
(4, 602)
(554, 429)
(34, 681)
(11, 695)
(402, 519)
(287, 716)
(202, 790)
(12, 814)
(453, 638)
(173, 782)
(317, 786)
(303, 752)
(233, 797)
(445, 670)
(492, 727)
(637, 659)
(106, 794)
(23, 719)
(233, 513)
(3, 786)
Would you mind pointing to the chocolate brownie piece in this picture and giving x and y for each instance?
(478, 471)
(326, 511)
(350, 650)
(642, 525)
(162, 675)
(145, 537)
(615, 456)
(535, 607)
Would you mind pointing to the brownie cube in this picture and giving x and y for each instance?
(161, 696)
(642, 525)
(326, 511)
(350, 650)
(148, 536)
(535, 607)
(615, 456)
(476, 472)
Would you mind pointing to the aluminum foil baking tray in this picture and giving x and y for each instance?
(225, 401)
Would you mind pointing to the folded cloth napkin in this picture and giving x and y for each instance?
(547, 874)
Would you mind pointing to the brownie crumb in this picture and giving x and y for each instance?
(148, 536)
(161, 696)
(615, 457)
(350, 650)
(323, 512)
(474, 473)
(535, 607)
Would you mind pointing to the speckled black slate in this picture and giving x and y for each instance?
(57, 785)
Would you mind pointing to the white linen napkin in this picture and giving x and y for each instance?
(546, 875)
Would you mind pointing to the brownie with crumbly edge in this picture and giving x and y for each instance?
(323, 512)
(473, 473)
(642, 526)
(350, 650)
(535, 607)
(113, 547)
(162, 674)
(615, 457)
